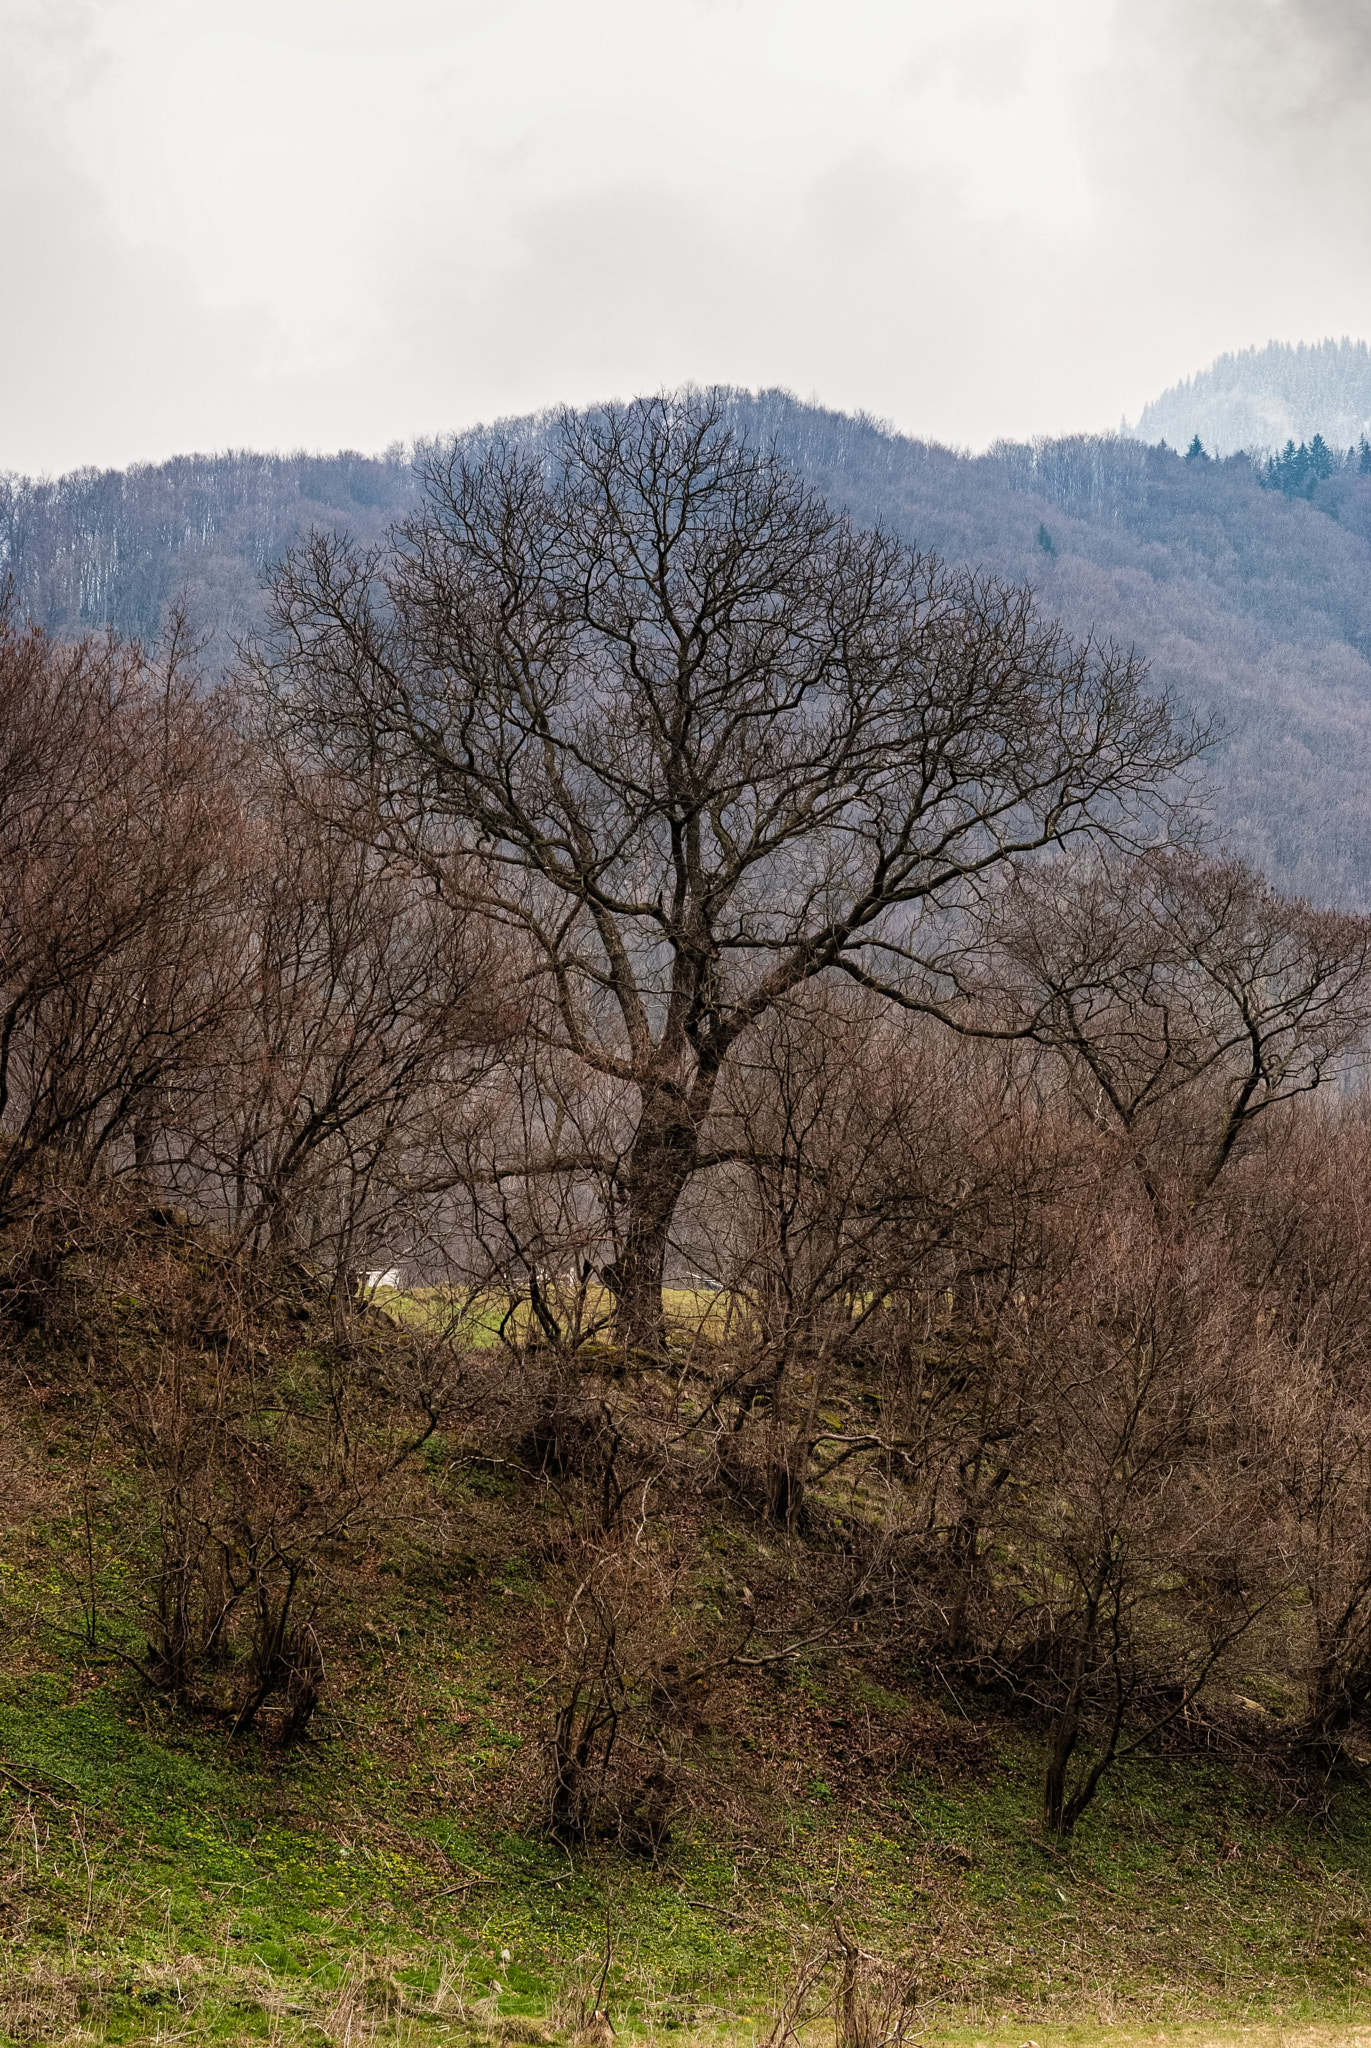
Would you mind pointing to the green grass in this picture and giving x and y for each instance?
(161, 1881)
(693, 1314)
(156, 1875)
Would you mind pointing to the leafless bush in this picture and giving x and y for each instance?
(874, 2000)
(887, 1181)
(370, 1008)
(608, 1769)
(1139, 1546)
(259, 1466)
(119, 866)
(800, 1991)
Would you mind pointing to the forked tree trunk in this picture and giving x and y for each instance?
(1065, 1734)
(1061, 1810)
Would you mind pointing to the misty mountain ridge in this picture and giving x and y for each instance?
(1260, 398)
(1252, 605)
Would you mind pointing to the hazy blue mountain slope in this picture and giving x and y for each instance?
(111, 547)
(1253, 609)
(1261, 398)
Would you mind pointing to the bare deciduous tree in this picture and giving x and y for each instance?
(709, 740)
(1141, 1541)
(118, 870)
(1188, 997)
(369, 1007)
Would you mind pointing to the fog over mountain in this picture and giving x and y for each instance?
(1261, 398)
(1252, 605)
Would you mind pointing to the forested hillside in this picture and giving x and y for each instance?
(1260, 398)
(1253, 606)
(111, 547)
(682, 1348)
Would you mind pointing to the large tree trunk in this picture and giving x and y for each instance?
(660, 1163)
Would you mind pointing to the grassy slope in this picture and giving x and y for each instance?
(160, 1882)
(150, 1871)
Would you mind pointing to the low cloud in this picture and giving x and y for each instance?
(341, 224)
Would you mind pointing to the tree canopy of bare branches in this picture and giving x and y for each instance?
(120, 870)
(708, 740)
(1188, 997)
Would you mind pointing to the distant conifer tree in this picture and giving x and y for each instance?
(1196, 451)
(1045, 541)
(1290, 470)
(1364, 457)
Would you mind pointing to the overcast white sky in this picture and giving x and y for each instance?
(335, 223)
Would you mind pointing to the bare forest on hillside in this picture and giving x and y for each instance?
(761, 988)
(1249, 604)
